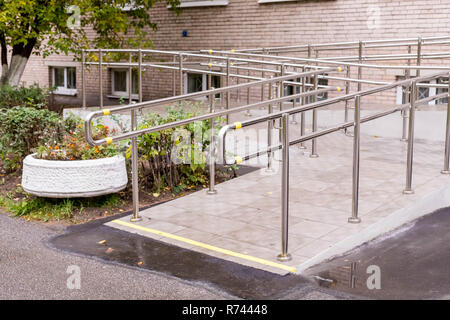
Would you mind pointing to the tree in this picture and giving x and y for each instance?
(45, 27)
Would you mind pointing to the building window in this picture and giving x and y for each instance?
(64, 80)
(424, 92)
(289, 90)
(201, 3)
(324, 95)
(442, 90)
(120, 83)
(196, 82)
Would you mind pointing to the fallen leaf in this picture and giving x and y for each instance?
(102, 242)
(140, 263)
(156, 195)
(109, 250)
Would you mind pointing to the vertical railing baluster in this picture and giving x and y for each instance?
(410, 152)
(356, 162)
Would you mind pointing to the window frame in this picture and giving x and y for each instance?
(202, 3)
(64, 90)
(204, 82)
(123, 94)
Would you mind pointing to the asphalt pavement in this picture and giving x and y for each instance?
(37, 260)
(31, 269)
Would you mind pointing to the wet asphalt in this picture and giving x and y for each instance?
(31, 269)
(413, 262)
(34, 259)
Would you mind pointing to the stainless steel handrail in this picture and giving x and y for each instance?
(245, 60)
(284, 146)
(134, 133)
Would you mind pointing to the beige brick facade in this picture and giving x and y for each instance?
(247, 23)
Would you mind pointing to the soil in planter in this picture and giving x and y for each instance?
(15, 201)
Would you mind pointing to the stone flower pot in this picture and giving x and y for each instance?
(74, 179)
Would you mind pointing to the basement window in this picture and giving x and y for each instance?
(64, 79)
(196, 82)
(204, 3)
(120, 83)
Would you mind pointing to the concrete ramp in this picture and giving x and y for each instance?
(242, 223)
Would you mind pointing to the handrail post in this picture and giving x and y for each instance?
(134, 169)
(360, 59)
(447, 136)
(130, 79)
(356, 161)
(285, 256)
(227, 97)
(419, 55)
(180, 65)
(248, 112)
(295, 90)
(141, 94)
(314, 120)
(302, 115)
(100, 70)
(212, 149)
(347, 91)
(83, 78)
(406, 93)
(174, 76)
(269, 133)
(410, 152)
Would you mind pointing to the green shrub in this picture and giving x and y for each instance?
(162, 167)
(33, 96)
(23, 129)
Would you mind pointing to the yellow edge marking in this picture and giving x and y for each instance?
(109, 140)
(207, 246)
(238, 125)
(106, 112)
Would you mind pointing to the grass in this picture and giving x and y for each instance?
(44, 209)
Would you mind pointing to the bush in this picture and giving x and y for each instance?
(162, 167)
(14, 96)
(23, 129)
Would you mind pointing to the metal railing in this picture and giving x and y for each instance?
(271, 73)
(286, 142)
(212, 115)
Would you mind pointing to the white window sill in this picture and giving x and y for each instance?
(274, 1)
(123, 96)
(206, 3)
(66, 92)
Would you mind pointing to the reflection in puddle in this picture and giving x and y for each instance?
(349, 276)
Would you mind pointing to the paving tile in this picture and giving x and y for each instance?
(161, 226)
(313, 248)
(311, 229)
(245, 215)
(266, 237)
(209, 223)
(163, 211)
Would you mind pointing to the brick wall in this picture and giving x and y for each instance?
(245, 23)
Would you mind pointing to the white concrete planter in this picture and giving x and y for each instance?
(72, 179)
